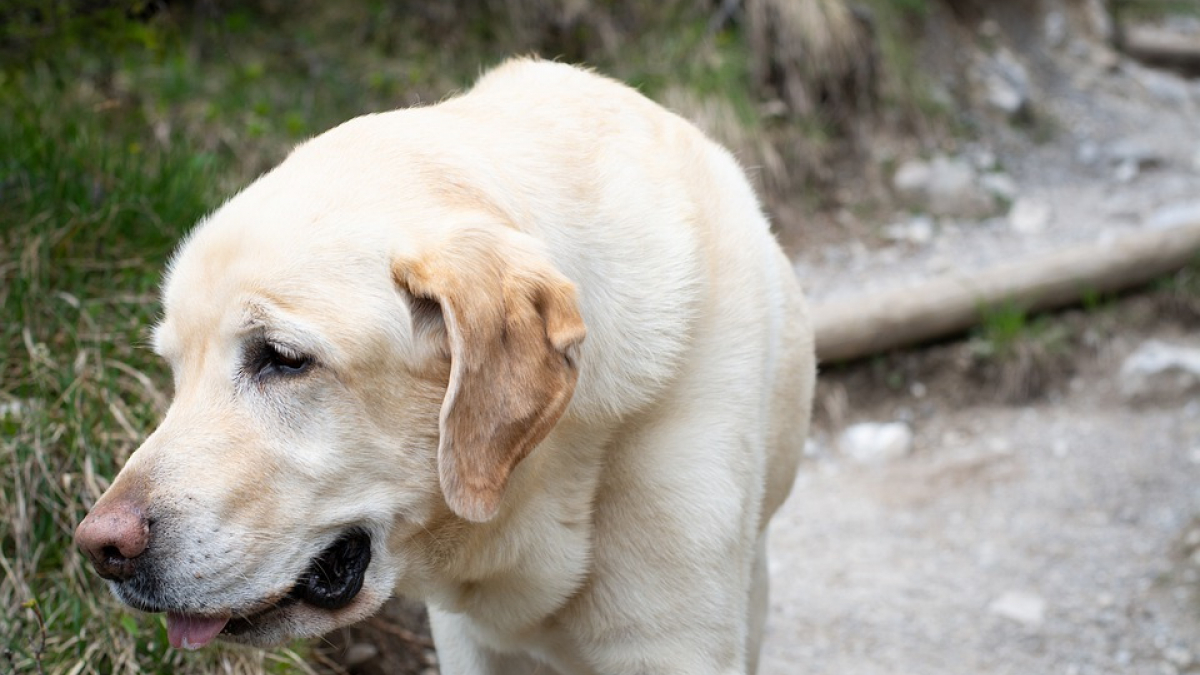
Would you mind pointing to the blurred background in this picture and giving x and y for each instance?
(1018, 492)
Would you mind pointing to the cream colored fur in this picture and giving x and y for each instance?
(562, 374)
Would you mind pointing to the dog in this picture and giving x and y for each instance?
(530, 355)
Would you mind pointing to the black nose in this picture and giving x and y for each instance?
(113, 535)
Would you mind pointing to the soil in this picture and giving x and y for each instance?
(1041, 523)
(1052, 535)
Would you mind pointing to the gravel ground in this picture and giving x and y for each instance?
(1061, 536)
(1052, 538)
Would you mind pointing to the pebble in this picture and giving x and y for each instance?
(359, 653)
(911, 180)
(1054, 28)
(1023, 607)
(1175, 215)
(876, 442)
(1158, 371)
(1001, 185)
(1178, 656)
(1030, 216)
(944, 186)
(917, 230)
(955, 191)
(1005, 83)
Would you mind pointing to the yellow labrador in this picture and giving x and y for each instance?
(530, 355)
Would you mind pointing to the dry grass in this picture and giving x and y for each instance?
(817, 56)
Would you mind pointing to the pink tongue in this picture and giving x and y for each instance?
(192, 632)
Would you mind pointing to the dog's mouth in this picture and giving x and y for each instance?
(331, 582)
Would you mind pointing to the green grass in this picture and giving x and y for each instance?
(92, 205)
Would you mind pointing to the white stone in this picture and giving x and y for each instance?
(1157, 370)
(875, 442)
(1023, 607)
(911, 180)
(1001, 185)
(917, 230)
(1126, 171)
(955, 190)
(1030, 216)
(1175, 215)
(359, 653)
(984, 159)
(1005, 82)
(1142, 151)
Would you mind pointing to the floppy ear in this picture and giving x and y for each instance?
(511, 322)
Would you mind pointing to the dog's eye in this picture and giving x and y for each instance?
(273, 359)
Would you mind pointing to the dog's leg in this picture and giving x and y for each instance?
(459, 653)
(675, 545)
(760, 584)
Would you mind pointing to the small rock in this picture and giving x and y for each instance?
(911, 180)
(359, 653)
(1126, 171)
(1157, 371)
(1025, 608)
(944, 186)
(1005, 83)
(874, 442)
(917, 230)
(983, 159)
(954, 190)
(1175, 215)
(1001, 185)
(1143, 152)
(1178, 656)
(1030, 216)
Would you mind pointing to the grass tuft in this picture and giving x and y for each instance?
(91, 207)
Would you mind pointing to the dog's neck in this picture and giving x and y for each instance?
(528, 580)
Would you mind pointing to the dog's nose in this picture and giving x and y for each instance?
(113, 536)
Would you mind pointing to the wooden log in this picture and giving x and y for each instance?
(853, 327)
(1163, 49)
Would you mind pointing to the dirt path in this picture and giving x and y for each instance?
(1042, 539)
(1057, 537)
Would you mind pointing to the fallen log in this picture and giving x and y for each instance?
(1163, 49)
(853, 327)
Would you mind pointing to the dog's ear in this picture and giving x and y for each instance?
(512, 324)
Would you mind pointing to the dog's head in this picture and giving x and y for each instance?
(356, 372)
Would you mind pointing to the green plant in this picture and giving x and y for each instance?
(92, 205)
